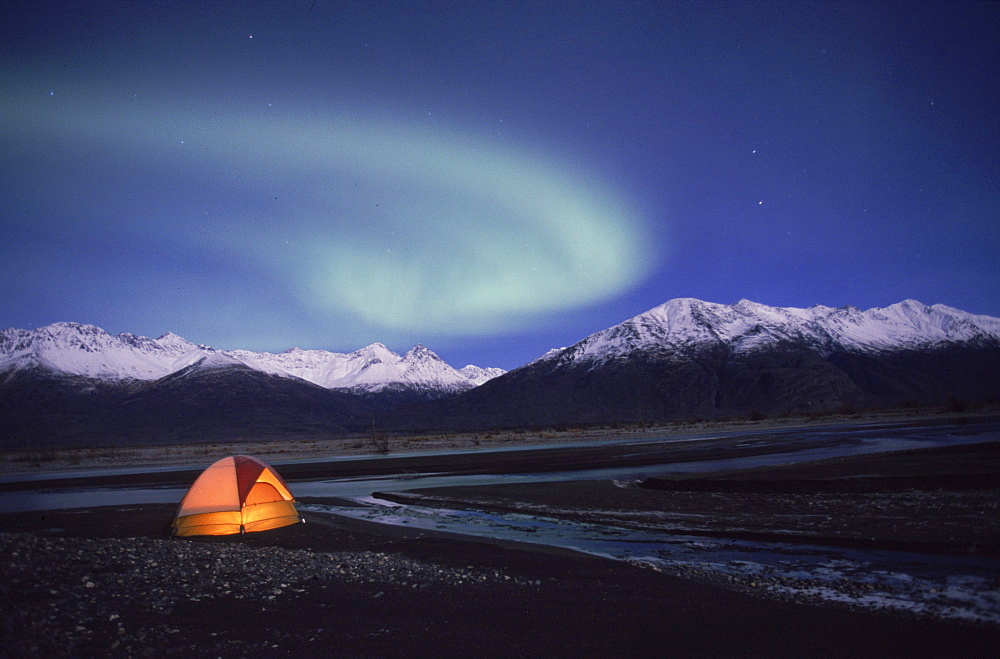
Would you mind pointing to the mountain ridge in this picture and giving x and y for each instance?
(87, 350)
(687, 322)
(684, 359)
(692, 359)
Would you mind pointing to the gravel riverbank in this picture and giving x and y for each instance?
(105, 582)
(92, 596)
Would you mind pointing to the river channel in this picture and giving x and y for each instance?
(954, 586)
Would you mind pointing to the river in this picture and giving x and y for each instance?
(949, 586)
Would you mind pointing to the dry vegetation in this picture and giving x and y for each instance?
(314, 448)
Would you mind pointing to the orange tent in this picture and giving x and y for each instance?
(236, 494)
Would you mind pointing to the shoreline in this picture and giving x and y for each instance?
(109, 581)
(55, 460)
(105, 581)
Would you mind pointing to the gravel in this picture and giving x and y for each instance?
(66, 596)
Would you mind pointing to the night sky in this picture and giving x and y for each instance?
(488, 179)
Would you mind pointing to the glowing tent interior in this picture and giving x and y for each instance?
(233, 495)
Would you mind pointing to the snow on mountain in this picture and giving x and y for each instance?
(214, 360)
(90, 351)
(173, 343)
(676, 327)
(685, 323)
(372, 368)
(478, 375)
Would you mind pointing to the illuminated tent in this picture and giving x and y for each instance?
(236, 494)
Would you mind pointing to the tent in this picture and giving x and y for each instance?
(236, 494)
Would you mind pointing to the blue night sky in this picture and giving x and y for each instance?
(489, 179)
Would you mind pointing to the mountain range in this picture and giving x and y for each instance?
(69, 383)
(683, 359)
(693, 359)
(89, 351)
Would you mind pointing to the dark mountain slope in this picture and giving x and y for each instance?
(226, 403)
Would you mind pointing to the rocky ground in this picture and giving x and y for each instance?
(936, 502)
(109, 581)
(105, 582)
(135, 596)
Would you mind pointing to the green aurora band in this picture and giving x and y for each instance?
(404, 226)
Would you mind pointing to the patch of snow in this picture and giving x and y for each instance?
(477, 375)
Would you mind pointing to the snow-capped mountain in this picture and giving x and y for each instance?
(70, 383)
(689, 359)
(684, 324)
(89, 351)
(372, 368)
(479, 375)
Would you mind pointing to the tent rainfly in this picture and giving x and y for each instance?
(236, 494)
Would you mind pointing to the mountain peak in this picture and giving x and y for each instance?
(478, 375)
(214, 360)
(70, 331)
(175, 343)
(684, 324)
(377, 350)
(87, 350)
(90, 351)
(419, 352)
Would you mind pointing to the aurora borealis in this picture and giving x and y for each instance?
(489, 179)
(405, 229)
